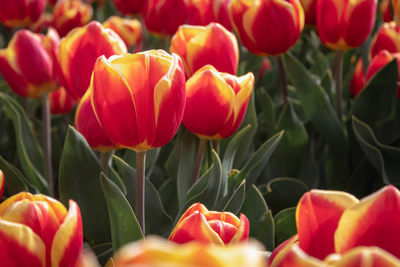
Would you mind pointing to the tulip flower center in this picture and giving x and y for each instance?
(225, 230)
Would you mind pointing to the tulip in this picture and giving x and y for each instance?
(87, 124)
(79, 51)
(2, 183)
(267, 27)
(203, 12)
(37, 230)
(396, 11)
(21, 13)
(358, 80)
(70, 14)
(43, 23)
(130, 30)
(60, 101)
(216, 102)
(309, 7)
(28, 63)
(198, 46)
(345, 24)
(201, 225)
(129, 7)
(163, 17)
(294, 256)
(155, 251)
(384, 8)
(387, 38)
(366, 256)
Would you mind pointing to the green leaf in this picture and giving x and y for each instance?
(285, 225)
(29, 152)
(124, 226)
(169, 197)
(79, 180)
(14, 179)
(235, 202)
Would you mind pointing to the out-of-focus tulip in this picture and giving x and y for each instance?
(145, 106)
(130, 30)
(155, 251)
(203, 12)
(198, 46)
(309, 7)
(79, 51)
(28, 63)
(216, 102)
(21, 13)
(267, 27)
(163, 17)
(384, 8)
(396, 11)
(387, 38)
(365, 256)
(294, 256)
(201, 225)
(264, 68)
(379, 61)
(358, 80)
(87, 124)
(129, 7)
(60, 101)
(345, 24)
(87, 259)
(70, 14)
(2, 183)
(37, 230)
(43, 23)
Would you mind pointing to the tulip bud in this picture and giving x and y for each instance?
(345, 24)
(87, 124)
(384, 8)
(79, 51)
(37, 230)
(28, 63)
(130, 30)
(203, 12)
(387, 38)
(216, 102)
(198, 46)
(2, 183)
(145, 106)
(60, 101)
(358, 81)
(21, 13)
(202, 225)
(267, 27)
(129, 7)
(309, 7)
(70, 14)
(163, 17)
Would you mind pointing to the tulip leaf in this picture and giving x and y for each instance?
(79, 180)
(29, 151)
(15, 181)
(235, 202)
(169, 198)
(376, 102)
(151, 158)
(384, 158)
(157, 219)
(285, 225)
(124, 226)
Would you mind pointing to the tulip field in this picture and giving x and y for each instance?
(199, 133)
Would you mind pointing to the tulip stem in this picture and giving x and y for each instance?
(140, 188)
(46, 127)
(338, 76)
(283, 79)
(215, 145)
(199, 159)
(105, 159)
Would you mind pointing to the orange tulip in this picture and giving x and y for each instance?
(267, 27)
(79, 51)
(87, 124)
(28, 63)
(70, 14)
(2, 183)
(365, 256)
(130, 30)
(216, 102)
(203, 12)
(198, 46)
(36, 230)
(163, 17)
(201, 225)
(358, 80)
(309, 7)
(345, 24)
(294, 256)
(60, 101)
(396, 11)
(384, 8)
(129, 7)
(145, 106)
(387, 38)
(21, 13)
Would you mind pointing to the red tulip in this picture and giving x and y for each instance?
(396, 11)
(60, 101)
(205, 226)
(36, 230)
(366, 256)
(309, 7)
(387, 38)
(21, 13)
(79, 51)
(130, 30)
(203, 12)
(129, 7)
(28, 63)
(145, 106)
(2, 183)
(216, 102)
(358, 80)
(43, 23)
(198, 46)
(384, 8)
(267, 27)
(344, 24)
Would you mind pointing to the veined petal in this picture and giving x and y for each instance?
(294, 256)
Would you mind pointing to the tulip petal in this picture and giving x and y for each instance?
(2, 183)
(194, 208)
(226, 225)
(329, 20)
(294, 256)
(317, 216)
(381, 228)
(242, 232)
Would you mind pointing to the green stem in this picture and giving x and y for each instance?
(105, 159)
(140, 188)
(215, 145)
(283, 79)
(199, 159)
(47, 143)
(338, 75)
